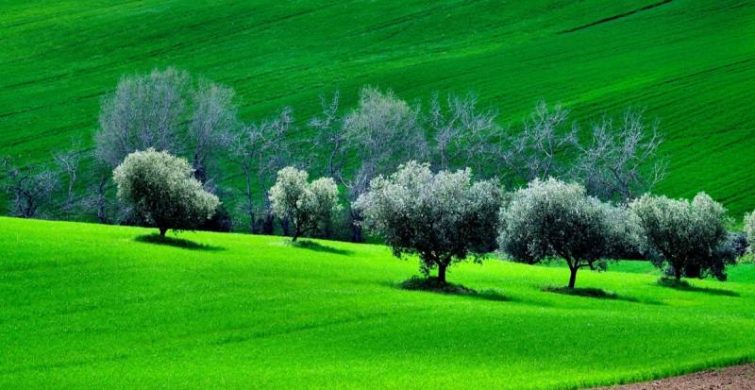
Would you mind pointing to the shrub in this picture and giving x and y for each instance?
(443, 217)
(308, 206)
(685, 237)
(162, 191)
(550, 218)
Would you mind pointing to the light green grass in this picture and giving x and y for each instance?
(96, 306)
(689, 62)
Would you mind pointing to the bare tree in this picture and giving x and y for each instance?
(621, 162)
(30, 188)
(142, 112)
(330, 139)
(534, 152)
(212, 123)
(68, 163)
(383, 132)
(462, 132)
(260, 150)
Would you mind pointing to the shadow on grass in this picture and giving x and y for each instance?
(177, 243)
(595, 293)
(433, 285)
(317, 247)
(683, 285)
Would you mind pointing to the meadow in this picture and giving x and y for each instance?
(97, 306)
(688, 63)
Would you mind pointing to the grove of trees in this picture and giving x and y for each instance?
(171, 151)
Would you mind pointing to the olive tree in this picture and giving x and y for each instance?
(308, 206)
(163, 192)
(441, 217)
(684, 236)
(551, 219)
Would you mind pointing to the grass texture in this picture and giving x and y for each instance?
(111, 307)
(689, 63)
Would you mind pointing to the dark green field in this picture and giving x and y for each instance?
(690, 63)
(102, 307)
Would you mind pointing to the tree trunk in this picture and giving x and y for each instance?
(677, 273)
(163, 230)
(296, 234)
(572, 276)
(442, 273)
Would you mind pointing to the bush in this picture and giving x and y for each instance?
(308, 206)
(688, 238)
(162, 191)
(443, 217)
(551, 218)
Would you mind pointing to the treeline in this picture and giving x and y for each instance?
(429, 181)
(169, 110)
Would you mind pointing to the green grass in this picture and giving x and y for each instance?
(106, 307)
(690, 63)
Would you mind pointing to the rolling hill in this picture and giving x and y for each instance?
(689, 63)
(98, 306)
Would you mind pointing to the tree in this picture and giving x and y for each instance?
(260, 150)
(330, 137)
(68, 163)
(168, 111)
(30, 187)
(534, 152)
(163, 192)
(621, 161)
(308, 206)
(383, 132)
(462, 132)
(143, 112)
(212, 123)
(550, 218)
(684, 236)
(749, 222)
(443, 217)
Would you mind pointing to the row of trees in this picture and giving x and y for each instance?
(169, 110)
(446, 217)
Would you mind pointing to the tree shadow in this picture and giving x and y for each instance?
(683, 285)
(317, 247)
(434, 286)
(177, 243)
(595, 293)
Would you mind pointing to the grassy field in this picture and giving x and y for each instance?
(690, 63)
(103, 307)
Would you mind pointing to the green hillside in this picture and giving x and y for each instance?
(690, 63)
(103, 307)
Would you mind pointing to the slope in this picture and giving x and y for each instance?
(101, 306)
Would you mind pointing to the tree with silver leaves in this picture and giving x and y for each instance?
(443, 218)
